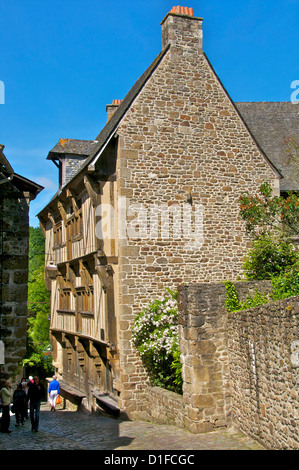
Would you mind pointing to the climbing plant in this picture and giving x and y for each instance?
(233, 303)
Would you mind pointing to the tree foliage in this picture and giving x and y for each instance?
(269, 256)
(38, 308)
(265, 214)
(272, 221)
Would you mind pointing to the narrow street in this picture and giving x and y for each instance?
(69, 430)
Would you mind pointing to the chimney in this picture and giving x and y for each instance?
(111, 108)
(180, 28)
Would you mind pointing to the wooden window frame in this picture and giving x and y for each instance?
(58, 234)
(65, 300)
(75, 226)
(85, 301)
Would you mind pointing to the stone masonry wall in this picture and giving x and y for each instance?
(166, 407)
(240, 368)
(14, 278)
(203, 342)
(263, 345)
(182, 147)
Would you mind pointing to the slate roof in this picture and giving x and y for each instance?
(274, 124)
(72, 147)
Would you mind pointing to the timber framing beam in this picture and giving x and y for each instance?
(52, 220)
(62, 211)
(86, 277)
(70, 194)
(72, 337)
(93, 190)
(71, 278)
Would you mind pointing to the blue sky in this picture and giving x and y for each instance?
(63, 61)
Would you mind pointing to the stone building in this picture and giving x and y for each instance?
(149, 204)
(16, 192)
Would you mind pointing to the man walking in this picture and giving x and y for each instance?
(36, 392)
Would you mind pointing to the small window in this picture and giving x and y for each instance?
(85, 301)
(75, 226)
(58, 234)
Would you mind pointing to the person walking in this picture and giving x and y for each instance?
(24, 385)
(6, 393)
(19, 404)
(53, 391)
(36, 392)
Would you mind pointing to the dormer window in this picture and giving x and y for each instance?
(68, 155)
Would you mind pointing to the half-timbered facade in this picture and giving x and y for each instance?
(80, 273)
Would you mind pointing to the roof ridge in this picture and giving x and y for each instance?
(264, 102)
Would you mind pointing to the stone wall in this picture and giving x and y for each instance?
(263, 346)
(14, 232)
(166, 407)
(240, 368)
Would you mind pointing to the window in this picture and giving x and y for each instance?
(75, 225)
(74, 229)
(58, 234)
(65, 294)
(85, 301)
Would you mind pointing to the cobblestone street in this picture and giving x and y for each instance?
(69, 430)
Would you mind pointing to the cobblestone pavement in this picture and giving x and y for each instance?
(71, 430)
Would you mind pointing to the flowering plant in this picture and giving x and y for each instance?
(155, 335)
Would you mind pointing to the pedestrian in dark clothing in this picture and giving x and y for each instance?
(19, 404)
(36, 392)
(24, 385)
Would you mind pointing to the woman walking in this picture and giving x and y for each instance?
(6, 394)
(53, 391)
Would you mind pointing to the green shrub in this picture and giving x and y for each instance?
(155, 335)
(269, 257)
(287, 283)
